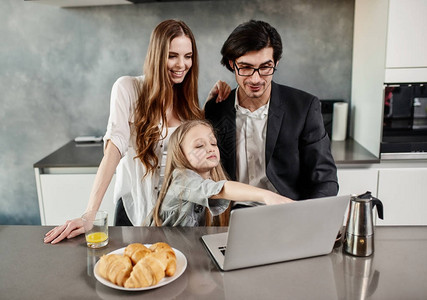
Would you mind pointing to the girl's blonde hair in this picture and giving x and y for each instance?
(176, 159)
(157, 92)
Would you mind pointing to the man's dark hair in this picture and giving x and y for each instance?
(251, 36)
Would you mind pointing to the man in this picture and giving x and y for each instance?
(270, 135)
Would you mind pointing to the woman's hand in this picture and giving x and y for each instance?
(220, 91)
(273, 198)
(70, 229)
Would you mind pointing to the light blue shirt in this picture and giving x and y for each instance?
(188, 197)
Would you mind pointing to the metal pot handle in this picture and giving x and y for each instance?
(380, 209)
(375, 202)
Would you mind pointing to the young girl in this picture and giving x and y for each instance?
(195, 180)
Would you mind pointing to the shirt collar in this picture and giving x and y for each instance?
(260, 112)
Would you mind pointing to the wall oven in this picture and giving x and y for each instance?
(404, 132)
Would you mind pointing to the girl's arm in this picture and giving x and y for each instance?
(237, 191)
(107, 167)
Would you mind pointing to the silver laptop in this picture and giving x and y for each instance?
(276, 233)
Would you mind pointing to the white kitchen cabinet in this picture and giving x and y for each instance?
(369, 50)
(65, 196)
(406, 59)
(357, 181)
(406, 35)
(403, 192)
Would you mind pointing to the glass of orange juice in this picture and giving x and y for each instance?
(96, 228)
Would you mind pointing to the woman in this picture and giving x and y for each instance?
(144, 111)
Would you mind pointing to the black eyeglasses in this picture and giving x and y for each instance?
(249, 71)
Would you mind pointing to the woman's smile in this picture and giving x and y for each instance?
(178, 74)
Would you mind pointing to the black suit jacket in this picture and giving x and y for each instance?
(298, 157)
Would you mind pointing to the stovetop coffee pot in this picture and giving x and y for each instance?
(359, 236)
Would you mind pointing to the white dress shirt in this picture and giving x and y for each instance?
(251, 132)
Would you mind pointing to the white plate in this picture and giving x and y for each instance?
(181, 265)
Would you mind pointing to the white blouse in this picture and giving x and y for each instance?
(139, 193)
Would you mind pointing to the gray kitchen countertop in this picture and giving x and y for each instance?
(77, 155)
(34, 270)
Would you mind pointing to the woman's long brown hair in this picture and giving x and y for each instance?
(176, 159)
(157, 92)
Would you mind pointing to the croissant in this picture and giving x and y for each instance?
(168, 261)
(166, 255)
(148, 271)
(115, 268)
(141, 276)
(160, 246)
(104, 261)
(136, 252)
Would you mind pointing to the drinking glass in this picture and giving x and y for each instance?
(96, 228)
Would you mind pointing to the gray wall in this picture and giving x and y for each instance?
(57, 67)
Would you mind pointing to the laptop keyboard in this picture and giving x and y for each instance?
(222, 249)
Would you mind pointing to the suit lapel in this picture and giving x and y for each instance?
(276, 112)
(226, 133)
